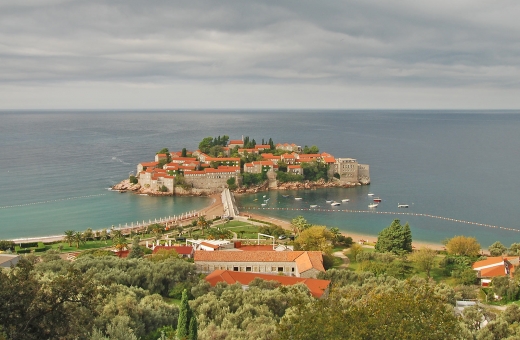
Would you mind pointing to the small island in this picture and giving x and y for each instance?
(243, 166)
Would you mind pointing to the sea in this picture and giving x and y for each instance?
(457, 170)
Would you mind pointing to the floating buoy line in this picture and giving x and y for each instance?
(50, 201)
(383, 213)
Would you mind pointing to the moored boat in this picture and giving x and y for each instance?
(328, 201)
(314, 205)
(399, 205)
(377, 199)
(334, 204)
(370, 194)
(345, 200)
(298, 198)
(373, 205)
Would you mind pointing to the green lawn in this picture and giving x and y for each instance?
(87, 245)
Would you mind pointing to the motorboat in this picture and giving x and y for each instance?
(265, 196)
(298, 198)
(373, 205)
(328, 201)
(377, 199)
(399, 205)
(370, 194)
(345, 200)
(264, 204)
(335, 204)
(314, 205)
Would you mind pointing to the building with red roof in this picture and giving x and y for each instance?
(495, 266)
(293, 263)
(183, 251)
(317, 288)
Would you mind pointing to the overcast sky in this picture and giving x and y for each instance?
(60, 54)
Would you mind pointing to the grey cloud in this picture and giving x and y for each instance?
(384, 43)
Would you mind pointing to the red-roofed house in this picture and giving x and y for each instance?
(160, 156)
(495, 266)
(295, 169)
(236, 142)
(271, 157)
(258, 167)
(146, 165)
(184, 251)
(293, 263)
(317, 288)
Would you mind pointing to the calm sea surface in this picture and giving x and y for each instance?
(56, 168)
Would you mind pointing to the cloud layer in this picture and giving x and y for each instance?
(170, 54)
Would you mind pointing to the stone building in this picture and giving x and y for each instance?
(212, 179)
(350, 171)
(291, 263)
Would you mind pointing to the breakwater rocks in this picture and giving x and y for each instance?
(126, 186)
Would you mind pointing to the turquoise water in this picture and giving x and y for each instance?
(56, 166)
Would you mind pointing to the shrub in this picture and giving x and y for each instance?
(133, 179)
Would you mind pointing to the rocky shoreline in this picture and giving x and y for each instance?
(126, 186)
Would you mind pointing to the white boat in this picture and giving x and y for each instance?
(328, 201)
(314, 205)
(265, 196)
(370, 194)
(399, 205)
(345, 200)
(298, 198)
(373, 205)
(335, 204)
(264, 204)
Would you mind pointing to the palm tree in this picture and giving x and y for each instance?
(116, 234)
(79, 238)
(203, 223)
(335, 234)
(69, 237)
(88, 234)
(120, 243)
(103, 235)
(299, 224)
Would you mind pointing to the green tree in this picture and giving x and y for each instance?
(497, 249)
(136, 251)
(335, 235)
(133, 179)
(103, 236)
(299, 224)
(314, 238)
(203, 223)
(6, 245)
(464, 246)
(206, 144)
(355, 249)
(79, 239)
(183, 152)
(193, 328)
(395, 238)
(59, 306)
(425, 259)
(514, 249)
(393, 310)
(69, 237)
(185, 314)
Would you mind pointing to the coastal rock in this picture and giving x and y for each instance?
(126, 186)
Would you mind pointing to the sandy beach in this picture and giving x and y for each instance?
(217, 209)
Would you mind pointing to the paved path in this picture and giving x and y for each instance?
(346, 260)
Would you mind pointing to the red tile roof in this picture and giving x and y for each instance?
(316, 287)
(304, 260)
(181, 250)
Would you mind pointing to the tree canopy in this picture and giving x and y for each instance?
(463, 245)
(395, 238)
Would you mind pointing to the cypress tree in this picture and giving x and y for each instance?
(193, 328)
(184, 317)
(136, 251)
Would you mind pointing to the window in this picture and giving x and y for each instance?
(280, 269)
(248, 269)
(273, 269)
(235, 269)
